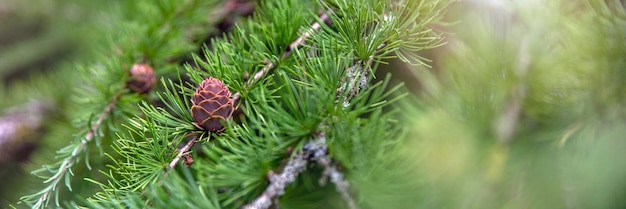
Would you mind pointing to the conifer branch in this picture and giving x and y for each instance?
(292, 47)
(69, 162)
(258, 75)
(357, 79)
(296, 165)
(314, 150)
(317, 148)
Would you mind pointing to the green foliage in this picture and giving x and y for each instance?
(525, 110)
(288, 96)
(175, 191)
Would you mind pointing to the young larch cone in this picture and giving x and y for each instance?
(141, 78)
(212, 105)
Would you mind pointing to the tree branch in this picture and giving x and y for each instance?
(264, 71)
(70, 161)
(293, 46)
(257, 76)
(314, 147)
(313, 150)
(278, 182)
(331, 171)
(317, 147)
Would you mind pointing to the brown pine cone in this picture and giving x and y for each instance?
(212, 105)
(142, 78)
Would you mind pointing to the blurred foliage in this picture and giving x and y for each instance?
(526, 109)
(41, 42)
(39, 35)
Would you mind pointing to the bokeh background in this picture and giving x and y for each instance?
(41, 45)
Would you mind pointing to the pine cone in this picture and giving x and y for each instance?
(142, 78)
(212, 105)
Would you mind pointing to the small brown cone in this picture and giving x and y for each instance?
(212, 105)
(142, 78)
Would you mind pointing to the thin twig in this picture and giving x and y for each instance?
(292, 47)
(316, 26)
(278, 182)
(331, 171)
(182, 152)
(68, 162)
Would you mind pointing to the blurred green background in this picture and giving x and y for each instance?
(41, 43)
